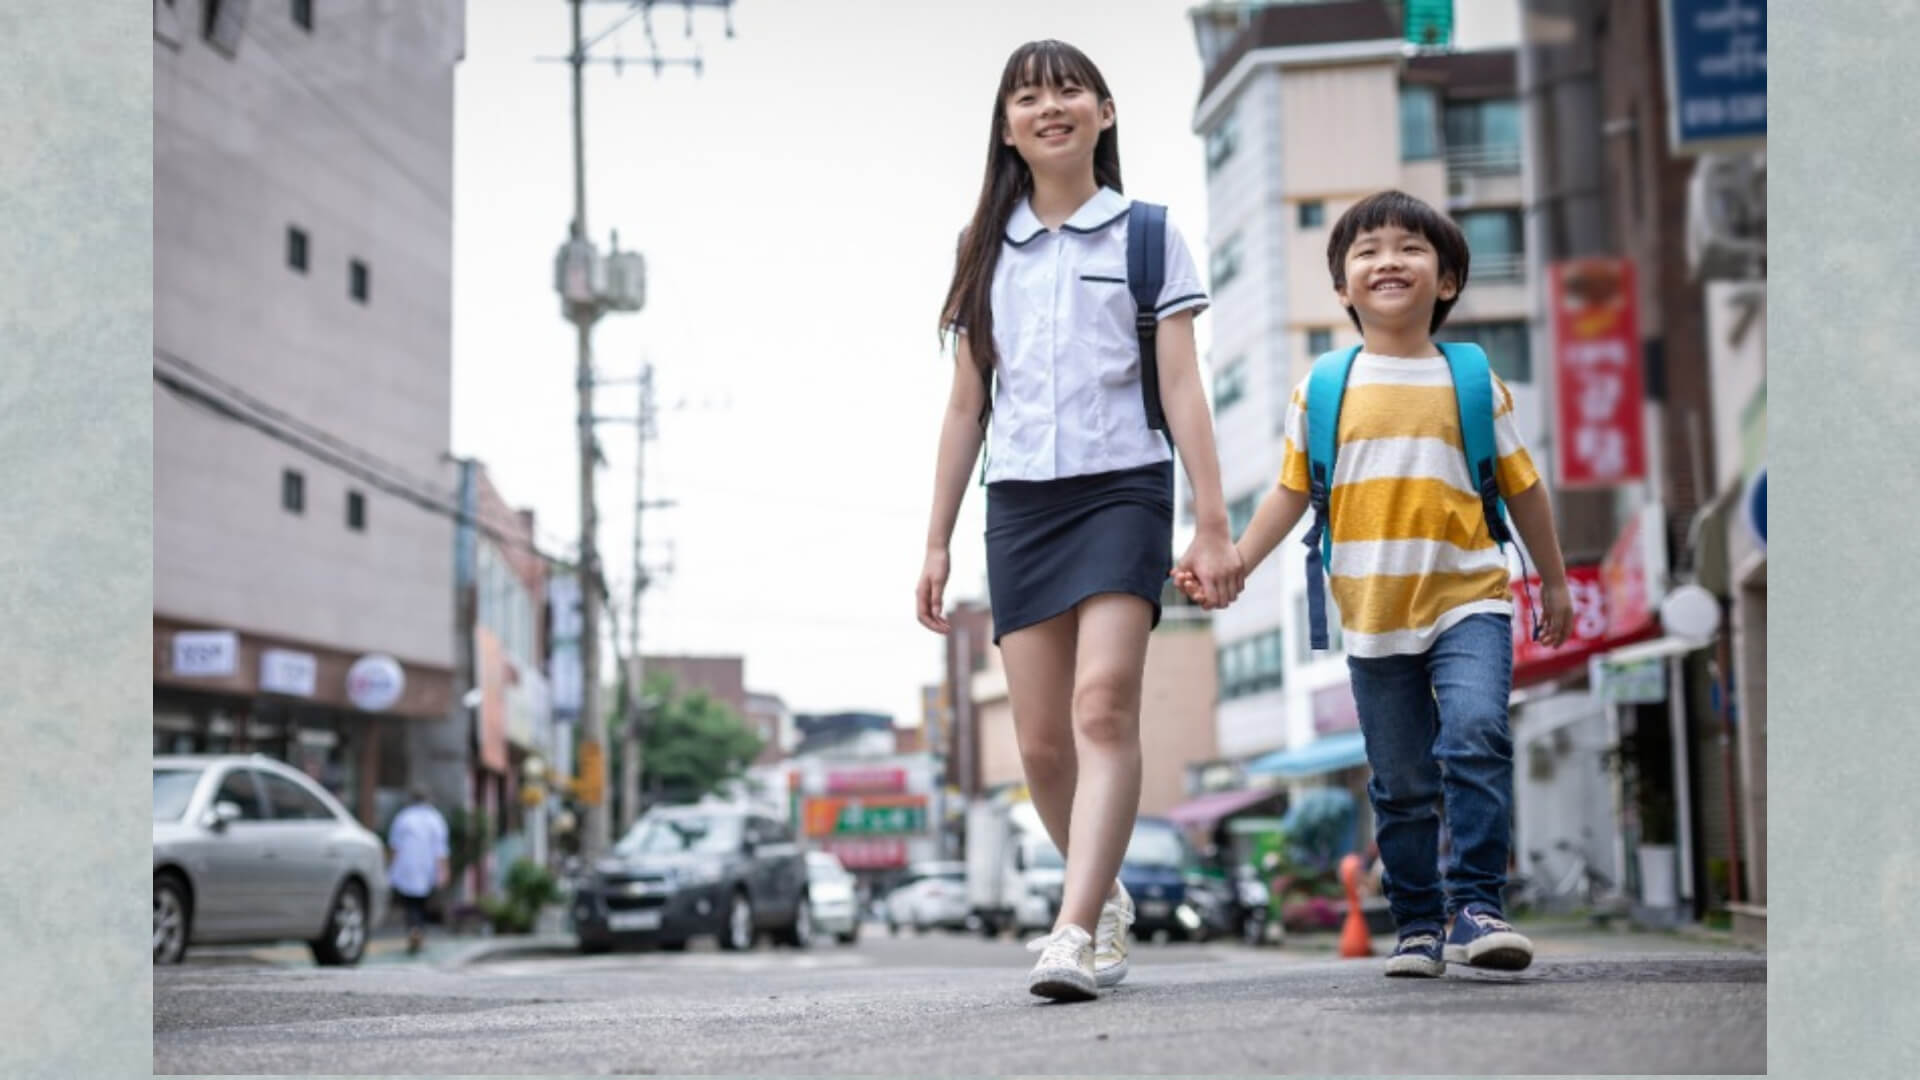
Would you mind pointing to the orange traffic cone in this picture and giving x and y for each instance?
(1354, 939)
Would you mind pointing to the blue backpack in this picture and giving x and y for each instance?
(1146, 275)
(1472, 388)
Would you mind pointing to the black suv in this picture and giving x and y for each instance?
(688, 870)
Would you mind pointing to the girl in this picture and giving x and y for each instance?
(1079, 489)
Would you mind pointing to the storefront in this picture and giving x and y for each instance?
(342, 718)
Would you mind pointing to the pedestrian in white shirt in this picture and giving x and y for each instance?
(418, 840)
(1079, 484)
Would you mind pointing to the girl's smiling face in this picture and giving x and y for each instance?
(1055, 123)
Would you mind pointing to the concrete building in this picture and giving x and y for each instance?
(1305, 109)
(303, 534)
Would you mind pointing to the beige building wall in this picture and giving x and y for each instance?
(353, 145)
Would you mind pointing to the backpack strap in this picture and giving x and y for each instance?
(1146, 275)
(1473, 390)
(1325, 387)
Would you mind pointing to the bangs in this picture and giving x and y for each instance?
(1050, 64)
(1396, 209)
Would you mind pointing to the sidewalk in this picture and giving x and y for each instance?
(388, 945)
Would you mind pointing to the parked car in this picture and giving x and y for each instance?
(686, 871)
(836, 909)
(248, 850)
(933, 895)
(1154, 872)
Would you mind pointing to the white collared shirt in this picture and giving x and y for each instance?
(1066, 391)
(418, 837)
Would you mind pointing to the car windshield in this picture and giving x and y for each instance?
(826, 868)
(1154, 847)
(172, 790)
(674, 834)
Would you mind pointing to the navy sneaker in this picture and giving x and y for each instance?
(1481, 938)
(1418, 955)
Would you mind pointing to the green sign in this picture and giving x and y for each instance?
(858, 820)
(1430, 23)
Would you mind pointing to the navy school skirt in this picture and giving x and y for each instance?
(1053, 543)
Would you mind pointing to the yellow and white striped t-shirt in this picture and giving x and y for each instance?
(1411, 552)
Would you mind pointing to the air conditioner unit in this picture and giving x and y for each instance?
(1463, 189)
(1727, 216)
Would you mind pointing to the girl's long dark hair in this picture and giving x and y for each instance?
(969, 297)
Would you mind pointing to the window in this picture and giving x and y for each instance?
(1419, 123)
(1494, 240)
(1507, 344)
(226, 22)
(1230, 384)
(237, 788)
(1318, 342)
(293, 492)
(359, 283)
(297, 248)
(1240, 512)
(290, 802)
(1222, 140)
(1313, 214)
(1250, 665)
(303, 14)
(356, 511)
(1224, 265)
(1483, 136)
(1303, 651)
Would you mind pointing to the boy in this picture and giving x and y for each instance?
(1421, 586)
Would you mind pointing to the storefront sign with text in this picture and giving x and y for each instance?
(1599, 437)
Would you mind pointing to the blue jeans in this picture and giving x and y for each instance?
(1436, 724)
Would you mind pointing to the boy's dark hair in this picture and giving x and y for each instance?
(1399, 208)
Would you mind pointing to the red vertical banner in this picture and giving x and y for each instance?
(1600, 437)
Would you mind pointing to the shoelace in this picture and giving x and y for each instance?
(1105, 933)
(1488, 922)
(1056, 948)
(1417, 941)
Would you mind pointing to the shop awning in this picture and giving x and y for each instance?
(1207, 809)
(1327, 754)
(1660, 648)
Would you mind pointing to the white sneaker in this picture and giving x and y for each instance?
(1065, 969)
(1110, 938)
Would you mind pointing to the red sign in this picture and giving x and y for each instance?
(1600, 439)
(1589, 629)
(866, 781)
(868, 854)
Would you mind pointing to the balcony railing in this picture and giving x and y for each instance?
(1484, 158)
(1497, 267)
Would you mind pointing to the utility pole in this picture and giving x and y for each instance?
(636, 688)
(591, 286)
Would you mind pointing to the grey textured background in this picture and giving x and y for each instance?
(1844, 735)
(76, 480)
(75, 570)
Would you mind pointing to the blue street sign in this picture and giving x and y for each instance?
(1757, 506)
(1716, 73)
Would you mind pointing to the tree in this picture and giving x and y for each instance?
(691, 743)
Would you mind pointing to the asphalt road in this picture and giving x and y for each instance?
(953, 1005)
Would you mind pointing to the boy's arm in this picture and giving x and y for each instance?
(1532, 514)
(1276, 516)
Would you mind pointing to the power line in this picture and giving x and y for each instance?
(330, 450)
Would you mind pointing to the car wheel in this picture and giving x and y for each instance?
(344, 941)
(799, 933)
(738, 934)
(172, 919)
(893, 928)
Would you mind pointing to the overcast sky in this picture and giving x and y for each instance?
(797, 205)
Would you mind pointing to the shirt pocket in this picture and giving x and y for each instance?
(1107, 308)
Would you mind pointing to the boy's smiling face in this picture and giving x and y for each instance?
(1393, 278)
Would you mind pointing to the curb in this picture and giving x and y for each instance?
(500, 948)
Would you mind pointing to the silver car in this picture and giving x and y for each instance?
(830, 889)
(246, 849)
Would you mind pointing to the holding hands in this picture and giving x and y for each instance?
(1212, 572)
